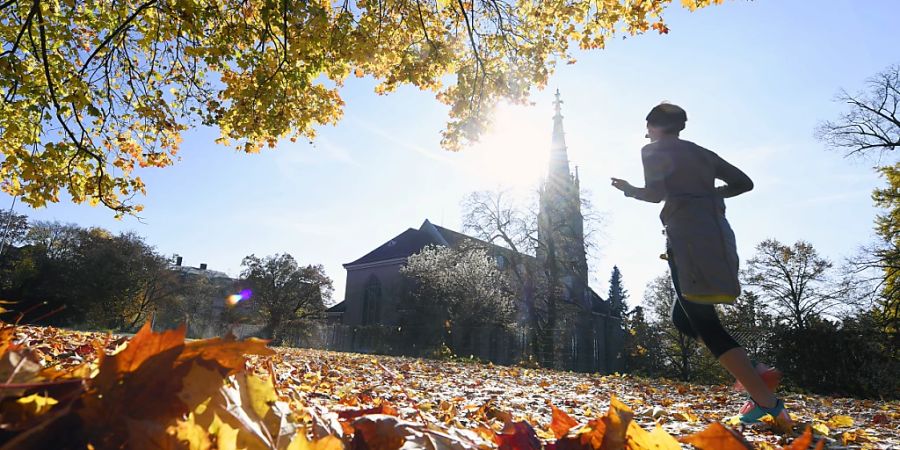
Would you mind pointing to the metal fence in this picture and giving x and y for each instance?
(595, 348)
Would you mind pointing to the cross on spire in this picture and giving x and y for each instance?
(557, 104)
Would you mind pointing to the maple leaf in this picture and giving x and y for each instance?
(561, 422)
(617, 420)
(802, 442)
(7, 333)
(517, 436)
(840, 422)
(377, 432)
(226, 352)
(717, 437)
(384, 408)
(658, 439)
(326, 443)
(144, 345)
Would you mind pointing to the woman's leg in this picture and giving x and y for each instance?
(703, 323)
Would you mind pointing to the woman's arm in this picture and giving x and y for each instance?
(654, 188)
(737, 182)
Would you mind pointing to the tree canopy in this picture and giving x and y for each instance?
(94, 90)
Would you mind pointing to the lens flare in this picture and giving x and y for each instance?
(234, 299)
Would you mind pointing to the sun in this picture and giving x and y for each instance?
(515, 150)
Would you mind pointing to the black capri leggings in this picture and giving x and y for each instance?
(699, 321)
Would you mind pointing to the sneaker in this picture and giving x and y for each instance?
(770, 375)
(779, 415)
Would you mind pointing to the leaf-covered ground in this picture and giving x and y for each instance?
(341, 394)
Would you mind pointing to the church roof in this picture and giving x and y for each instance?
(404, 244)
(412, 241)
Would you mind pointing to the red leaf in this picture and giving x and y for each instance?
(517, 436)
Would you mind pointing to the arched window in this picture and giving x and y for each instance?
(502, 262)
(372, 301)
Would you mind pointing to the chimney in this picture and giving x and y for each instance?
(203, 266)
(178, 261)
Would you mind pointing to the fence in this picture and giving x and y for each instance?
(596, 347)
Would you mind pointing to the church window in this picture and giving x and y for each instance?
(372, 301)
(501, 262)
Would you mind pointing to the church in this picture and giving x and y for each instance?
(589, 337)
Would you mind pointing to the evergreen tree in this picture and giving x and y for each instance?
(617, 294)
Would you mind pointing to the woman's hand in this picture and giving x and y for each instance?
(622, 185)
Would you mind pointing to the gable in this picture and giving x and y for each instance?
(403, 245)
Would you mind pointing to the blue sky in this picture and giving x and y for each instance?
(754, 77)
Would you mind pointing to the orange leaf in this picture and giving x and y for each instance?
(227, 352)
(590, 437)
(561, 422)
(383, 408)
(802, 442)
(7, 333)
(717, 437)
(617, 420)
(144, 345)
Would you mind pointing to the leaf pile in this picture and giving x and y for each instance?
(64, 389)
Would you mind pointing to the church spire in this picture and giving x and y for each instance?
(559, 158)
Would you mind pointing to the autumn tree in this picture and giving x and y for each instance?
(495, 217)
(13, 228)
(86, 277)
(285, 294)
(682, 356)
(459, 287)
(796, 283)
(870, 127)
(93, 90)
(642, 352)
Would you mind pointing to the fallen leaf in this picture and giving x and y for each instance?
(717, 437)
(840, 422)
(658, 439)
(802, 442)
(560, 422)
(617, 420)
(517, 436)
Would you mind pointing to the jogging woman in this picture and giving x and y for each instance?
(701, 248)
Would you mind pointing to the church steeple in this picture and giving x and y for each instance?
(560, 223)
(559, 158)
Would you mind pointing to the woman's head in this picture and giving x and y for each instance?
(665, 119)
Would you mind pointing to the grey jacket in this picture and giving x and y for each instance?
(700, 239)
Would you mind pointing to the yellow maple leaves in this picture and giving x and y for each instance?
(103, 89)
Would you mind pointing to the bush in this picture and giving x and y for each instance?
(855, 357)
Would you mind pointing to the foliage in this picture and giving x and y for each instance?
(94, 90)
(749, 322)
(461, 287)
(887, 254)
(617, 294)
(13, 228)
(346, 400)
(494, 217)
(681, 356)
(642, 353)
(86, 276)
(284, 294)
(796, 283)
(867, 364)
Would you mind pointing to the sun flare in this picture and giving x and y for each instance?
(515, 151)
